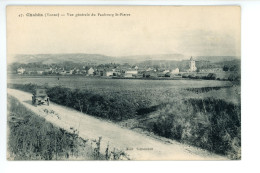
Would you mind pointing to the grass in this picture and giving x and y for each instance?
(30, 137)
(208, 117)
(89, 83)
(211, 124)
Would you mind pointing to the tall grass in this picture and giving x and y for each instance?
(208, 123)
(209, 118)
(30, 137)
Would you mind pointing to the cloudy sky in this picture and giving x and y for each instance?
(196, 31)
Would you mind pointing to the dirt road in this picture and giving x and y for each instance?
(137, 146)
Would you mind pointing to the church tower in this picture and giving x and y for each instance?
(192, 65)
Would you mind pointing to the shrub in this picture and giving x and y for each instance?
(107, 106)
(207, 123)
(211, 76)
(234, 77)
(111, 106)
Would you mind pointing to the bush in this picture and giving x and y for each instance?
(112, 106)
(234, 77)
(108, 105)
(211, 76)
(210, 124)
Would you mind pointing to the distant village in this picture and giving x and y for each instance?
(128, 71)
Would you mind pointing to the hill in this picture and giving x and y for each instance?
(216, 59)
(143, 60)
(59, 58)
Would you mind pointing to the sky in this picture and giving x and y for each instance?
(191, 31)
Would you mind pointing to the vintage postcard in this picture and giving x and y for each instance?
(123, 83)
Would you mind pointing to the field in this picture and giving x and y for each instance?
(204, 113)
(78, 82)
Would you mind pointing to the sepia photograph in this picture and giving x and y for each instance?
(123, 83)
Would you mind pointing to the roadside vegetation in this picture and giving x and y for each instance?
(209, 117)
(30, 137)
(114, 106)
(211, 124)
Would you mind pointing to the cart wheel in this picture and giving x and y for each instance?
(48, 102)
(36, 102)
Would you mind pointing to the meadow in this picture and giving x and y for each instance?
(203, 113)
(79, 82)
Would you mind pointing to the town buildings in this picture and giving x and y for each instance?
(20, 70)
(149, 70)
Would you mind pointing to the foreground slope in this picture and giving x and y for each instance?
(137, 146)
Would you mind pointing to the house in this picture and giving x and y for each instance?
(20, 70)
(116, 72)
(63, 72)
(175, 71)
(78, 71)
(149, 69)
(128, 75)
(35, 70)
(55, 70)
(99, 72)
(48, 70)
(109, 73)
(133, 72)
(166, 71)
(40, 72)
(72, 71)
(91, 71)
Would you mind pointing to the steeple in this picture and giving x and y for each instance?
(192, 65)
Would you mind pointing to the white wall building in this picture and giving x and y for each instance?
(175, 71)
(109, 73)
(166, 71)
(133, 72)
(20, 70)
(40, 72)
(192, 65)
(90, 71)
